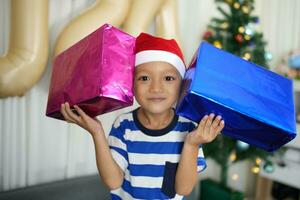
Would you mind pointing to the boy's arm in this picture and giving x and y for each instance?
(110, 172)
(186, 175)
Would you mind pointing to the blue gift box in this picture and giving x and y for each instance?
(256, 104)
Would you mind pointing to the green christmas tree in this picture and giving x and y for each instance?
(236, 33)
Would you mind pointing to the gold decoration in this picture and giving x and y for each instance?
(247, 56)
(258, 161)
(224, 25)
(255, 169)
(232, 156)
(236, 5)
(241, 29)
(247, 37)
(229, 2)
(245, 9)
(217, 44)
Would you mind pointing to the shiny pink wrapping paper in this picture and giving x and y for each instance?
(96, 74)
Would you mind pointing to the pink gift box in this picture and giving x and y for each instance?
(96, 74)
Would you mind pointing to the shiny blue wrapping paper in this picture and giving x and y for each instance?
(256, 104)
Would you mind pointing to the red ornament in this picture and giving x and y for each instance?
(239, 38)
(207, 35)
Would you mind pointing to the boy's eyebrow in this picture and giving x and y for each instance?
(173, 72)
(165, 72)
(141, 72)
(161, 71)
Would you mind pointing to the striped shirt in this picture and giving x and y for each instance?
(149, 158)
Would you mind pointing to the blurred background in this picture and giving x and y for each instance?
(45, 158)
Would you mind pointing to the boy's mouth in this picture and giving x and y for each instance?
(156, 99)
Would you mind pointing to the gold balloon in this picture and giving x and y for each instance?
(167, 21)
(141, 15)
(163, 11)
(113, 12)
(131, 15)
(26, 58)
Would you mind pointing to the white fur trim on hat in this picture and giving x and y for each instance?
(159, 55)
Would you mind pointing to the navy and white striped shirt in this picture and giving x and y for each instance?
(149, 158)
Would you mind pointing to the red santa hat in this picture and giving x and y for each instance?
(150, 48)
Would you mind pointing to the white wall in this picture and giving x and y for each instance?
(35, 149)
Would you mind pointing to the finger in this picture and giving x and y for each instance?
(208, 123)
(215, 124)
(221, 126)
(64, 113)
(72, 115)
(202, 123)
(80, 112)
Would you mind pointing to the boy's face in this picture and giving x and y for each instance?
(156, 86)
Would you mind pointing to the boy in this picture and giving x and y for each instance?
(151, 152)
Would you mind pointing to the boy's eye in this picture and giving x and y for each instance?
(169, 78)
(143, 78)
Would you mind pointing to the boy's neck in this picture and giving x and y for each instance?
(155, 120)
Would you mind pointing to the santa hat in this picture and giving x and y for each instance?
(149, 48)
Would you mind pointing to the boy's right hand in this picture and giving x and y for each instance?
(92, 125)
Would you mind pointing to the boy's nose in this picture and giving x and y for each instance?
(155, 86)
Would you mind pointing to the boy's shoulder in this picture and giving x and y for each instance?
(124, 118)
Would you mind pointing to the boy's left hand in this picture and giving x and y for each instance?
(207, 130)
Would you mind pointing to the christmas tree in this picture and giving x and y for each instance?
(236, 33)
